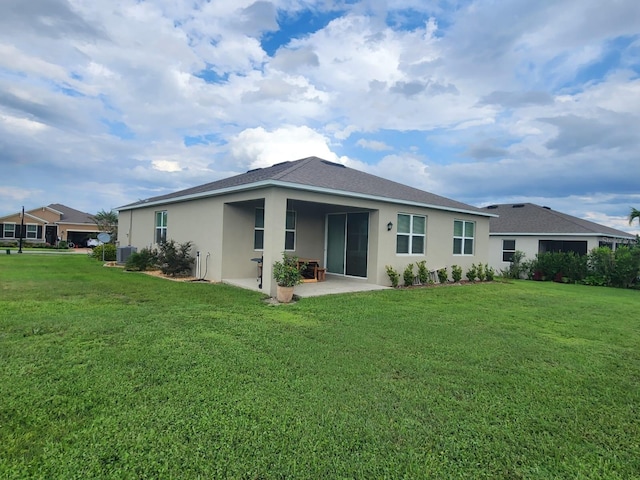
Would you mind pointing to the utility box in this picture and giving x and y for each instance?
(123, 253)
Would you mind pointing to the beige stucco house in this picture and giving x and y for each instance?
(351, 222)
(48, 224)
(534, 229)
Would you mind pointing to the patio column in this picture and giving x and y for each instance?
(275, 216)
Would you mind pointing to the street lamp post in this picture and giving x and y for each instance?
(21, 230)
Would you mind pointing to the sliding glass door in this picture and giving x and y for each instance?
(348, 243)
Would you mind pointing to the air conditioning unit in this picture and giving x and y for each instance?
(123, 253)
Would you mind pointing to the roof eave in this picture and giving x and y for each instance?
(534, 234)
(298, 186)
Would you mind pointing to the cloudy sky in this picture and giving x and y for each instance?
(104, 102)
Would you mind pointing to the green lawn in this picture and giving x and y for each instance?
(107, 374)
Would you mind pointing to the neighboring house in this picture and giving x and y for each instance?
(48, 224)
(352, 222)
(533, 229)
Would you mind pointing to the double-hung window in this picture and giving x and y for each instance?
(410, 238)
(289, 234)
(290, 231)
(508, 249)
(161, 226)
(258, 230)
(9, 230)
(32, 231)
(463, 237)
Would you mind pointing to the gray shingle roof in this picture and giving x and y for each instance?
(319, 174)
(71, 215)
(529, 218)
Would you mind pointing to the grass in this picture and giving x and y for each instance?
(106, 374)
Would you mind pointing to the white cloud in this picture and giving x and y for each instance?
(166, 165)
(373, 145)
(118, 91)
(20, 125)
(257, 147)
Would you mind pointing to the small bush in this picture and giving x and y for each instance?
(423, 272)
(109, 252)
(471, 273)
(174, 258)
(517, 267)
(393, 275)
(480, 273)
(456, 273)
(489, 273)
(140, 261)
(443, 275)
(64, 245)
(407, 275)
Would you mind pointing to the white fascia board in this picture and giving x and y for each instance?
(305, 188)
(42, 220)
(53, 210)
(521, 234)
(76, 223)
(26, 214)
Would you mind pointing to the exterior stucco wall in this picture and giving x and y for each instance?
(529, 245)
(439, 241)
(45, 214)
(223, 227)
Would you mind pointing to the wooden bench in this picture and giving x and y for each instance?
(313, 272)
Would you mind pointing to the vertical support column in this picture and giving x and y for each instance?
(275, 216)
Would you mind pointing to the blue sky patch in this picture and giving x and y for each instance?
(296, 25)
(119, 129)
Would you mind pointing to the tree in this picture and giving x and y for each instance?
(107, 222)
(633, 215)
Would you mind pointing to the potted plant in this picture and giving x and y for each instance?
(287, 275)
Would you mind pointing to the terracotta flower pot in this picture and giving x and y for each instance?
(284, 294)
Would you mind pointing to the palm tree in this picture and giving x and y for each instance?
(107, 222)
(633, 215)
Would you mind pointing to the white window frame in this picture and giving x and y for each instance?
(508, 250)
(411, 234)
(290, 230)
(31, 231)
(13, 230)
(257, 228)
(463, 238)
(161, 229)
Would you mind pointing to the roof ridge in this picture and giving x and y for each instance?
(296, 164)
(572, 219)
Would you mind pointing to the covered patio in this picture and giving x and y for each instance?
(332, 285)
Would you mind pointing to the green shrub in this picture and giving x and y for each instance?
(423, 272)
(287, 272)
(443, 275)
(489, 273)
(517, 267)
(456, 273)
(174, 258)
(143, 260)
(64, 245)
(393, 275)
(407, 275)
(109, 252)
(627, 267)
(471, 273)
(480, 272)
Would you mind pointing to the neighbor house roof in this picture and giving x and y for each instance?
(67, 214)
(532, 219)
(71, 215)
(318, 175)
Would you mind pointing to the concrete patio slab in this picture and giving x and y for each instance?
(334, 284)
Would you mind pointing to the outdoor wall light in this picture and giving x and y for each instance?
(389, 226)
